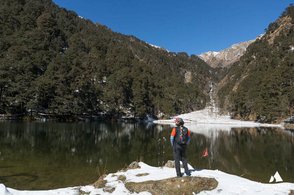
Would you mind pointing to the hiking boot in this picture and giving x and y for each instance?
(188, 174)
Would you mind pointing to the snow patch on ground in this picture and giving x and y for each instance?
(207, 117)
(227, 184)
(209, 122)
(206, 121)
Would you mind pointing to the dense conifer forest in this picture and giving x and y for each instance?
(55, 63)
(261, 85)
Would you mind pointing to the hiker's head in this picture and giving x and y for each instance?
(179, 121)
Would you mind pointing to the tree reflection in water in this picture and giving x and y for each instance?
(50, 155)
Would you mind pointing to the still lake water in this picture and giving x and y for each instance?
(37, 155)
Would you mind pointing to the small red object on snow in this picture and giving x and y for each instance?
(205, 152)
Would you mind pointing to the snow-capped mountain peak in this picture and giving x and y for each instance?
(227, 56)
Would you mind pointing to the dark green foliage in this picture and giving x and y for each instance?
(53, 61)
(261, 85)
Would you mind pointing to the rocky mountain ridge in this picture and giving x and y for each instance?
(260, 85)
(226, 57)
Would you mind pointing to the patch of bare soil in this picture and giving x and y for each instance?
(289, 126)
(100, 183)
(182, 185)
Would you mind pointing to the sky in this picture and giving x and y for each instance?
(192, 26)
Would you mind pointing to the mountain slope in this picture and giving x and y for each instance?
(53, 61)
(227, 56)
(260, 86)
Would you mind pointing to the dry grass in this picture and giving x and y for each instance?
(142, 174)
(289, 126)
(100, 183)
(184, 185)
(122, 178)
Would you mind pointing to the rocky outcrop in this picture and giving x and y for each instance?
(183, 185)
(227, 56)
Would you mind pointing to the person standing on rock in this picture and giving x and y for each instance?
(180, 138)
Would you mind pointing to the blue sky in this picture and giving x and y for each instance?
(191, 26)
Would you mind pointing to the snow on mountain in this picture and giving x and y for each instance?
(227, 56)
(157, 47)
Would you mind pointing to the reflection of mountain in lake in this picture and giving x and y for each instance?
(254, 153)
(70, 154)
(67, 154)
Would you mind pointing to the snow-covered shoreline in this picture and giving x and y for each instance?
(227, 184)
(208, 122)
(205, 121)
(208, 117)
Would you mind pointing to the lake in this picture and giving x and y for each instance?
(46, 155)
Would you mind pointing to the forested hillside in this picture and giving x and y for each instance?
(261, 85)
(56, 63)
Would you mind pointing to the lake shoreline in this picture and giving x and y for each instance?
(154, 178)
(68, 118)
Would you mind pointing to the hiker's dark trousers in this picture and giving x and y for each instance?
(180, 155)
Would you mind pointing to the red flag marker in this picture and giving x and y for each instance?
(205, 153)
